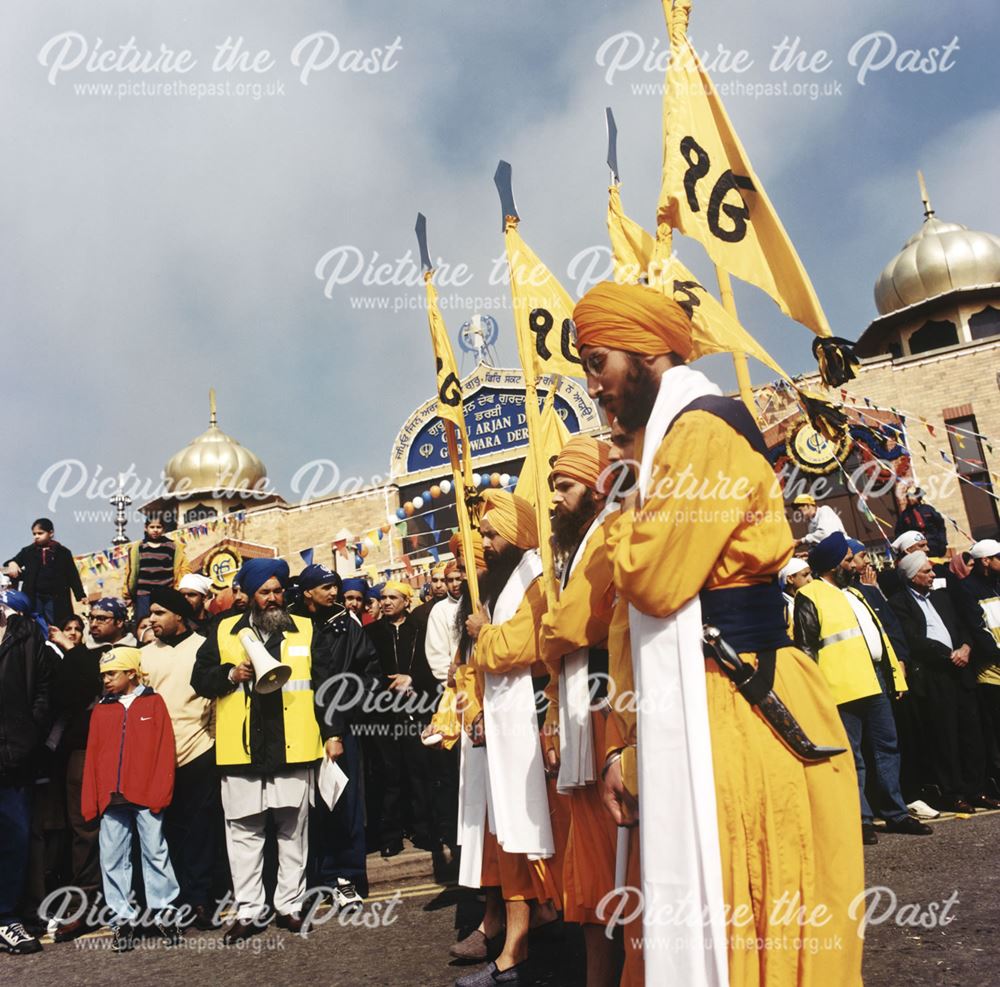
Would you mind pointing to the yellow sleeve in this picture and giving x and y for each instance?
(582, 615)
(516, 642)
(712, 517)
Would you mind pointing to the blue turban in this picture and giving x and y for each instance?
(856, 546)
(829, 553)
(109, 604)
(21, 603)
(317, 575)
(255, 572)
(355, 584)
(374, 592)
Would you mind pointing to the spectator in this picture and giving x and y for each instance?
(144, 630)
(373, 604)
(76, 689)
(47, 573)
(353, 591)
(837, 629)
(192, 823)
(823, 520)
(26, 666)
(195, 588)
(792, 578)
(128, 780)
(944, 684)
(921, 517)
(155, 561)
(266, 745)
(977, 599)
(888, 579)
(399, 767)
(337, 837)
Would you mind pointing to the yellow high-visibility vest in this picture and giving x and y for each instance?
(844, 658)
(232, 715)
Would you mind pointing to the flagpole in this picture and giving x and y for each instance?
(739, 359)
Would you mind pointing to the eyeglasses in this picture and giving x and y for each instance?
(100, 620)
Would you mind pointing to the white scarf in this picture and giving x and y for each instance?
(678, 833)
(576, 738)
(516, 770)
(505, 781)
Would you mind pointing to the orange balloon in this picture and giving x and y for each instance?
(408, 508)
(495, 480)
(435, 491)
(364, 552)
(386, 528)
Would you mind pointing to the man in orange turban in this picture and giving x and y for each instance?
(731, 819)
(511, 517)
(455, 547)
(575, 642)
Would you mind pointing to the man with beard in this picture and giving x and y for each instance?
(344, 650)
(507, 634)
(732, 817)
(841, 633)
(575, 644)
(195, 588)
(193, 819)
(266, 744)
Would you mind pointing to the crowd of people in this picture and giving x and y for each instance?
(690, 707)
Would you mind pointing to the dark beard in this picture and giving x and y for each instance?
(490, 587)
(568, 527)
(639, 395)
(271, 621)
(843, 577)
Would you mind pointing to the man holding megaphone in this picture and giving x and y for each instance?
(259, 668)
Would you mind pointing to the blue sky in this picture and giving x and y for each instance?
(157, 245)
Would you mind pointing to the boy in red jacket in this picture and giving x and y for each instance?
(128, 779)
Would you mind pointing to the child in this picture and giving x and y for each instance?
(47, 573)
(128, 778)
(155, 561)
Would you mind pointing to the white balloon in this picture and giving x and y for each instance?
(418, 502)
(476, 479)
(504, 479)
(445, 486)
(368, 543)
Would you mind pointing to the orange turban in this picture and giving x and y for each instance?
(455, 546)
(512, 516)
(438, 570)
(450, 567)
(634, 318)
(584, 459)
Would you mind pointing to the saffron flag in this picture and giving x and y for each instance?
(715, 330)
(710, 192)
(449, 386)
(543, 310)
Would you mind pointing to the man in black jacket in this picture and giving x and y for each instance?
(343, 649)
(943, 683)
(977, 600)
(47, 574)
(399, 757)
(25, 677)
(918, 516)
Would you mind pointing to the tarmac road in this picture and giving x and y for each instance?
(410, 928)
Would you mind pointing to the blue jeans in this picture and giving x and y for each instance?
(15, 833)
(871, 717)
(116, 862)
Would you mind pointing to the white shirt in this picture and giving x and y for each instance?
(824, 522)
(443, 636)
(873, 637)
(936, 629)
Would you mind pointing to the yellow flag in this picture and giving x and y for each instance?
(711, 193)
(543, 310)
(554, 435)
(449, 386)
(715, 330)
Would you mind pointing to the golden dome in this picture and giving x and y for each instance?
(214, 461)
(939, 258)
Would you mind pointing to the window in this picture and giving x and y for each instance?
(977, 490)
(200, 513)
(984, 324)
(933, 336)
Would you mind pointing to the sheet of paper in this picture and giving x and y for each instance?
(332, 782)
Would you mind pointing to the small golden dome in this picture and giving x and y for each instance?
(939, 258)
(214, 461)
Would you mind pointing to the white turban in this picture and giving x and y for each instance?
(910, 565)
(907, 540)
(195, 583)
(795, 566)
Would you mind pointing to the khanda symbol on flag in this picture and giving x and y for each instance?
(449, 386)
(709, 191)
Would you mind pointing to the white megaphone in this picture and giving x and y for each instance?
(271, 675)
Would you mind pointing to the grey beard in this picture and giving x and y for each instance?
(271, 621)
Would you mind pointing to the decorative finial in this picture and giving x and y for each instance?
(119, 501)
(212, 417)
(928, 211)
